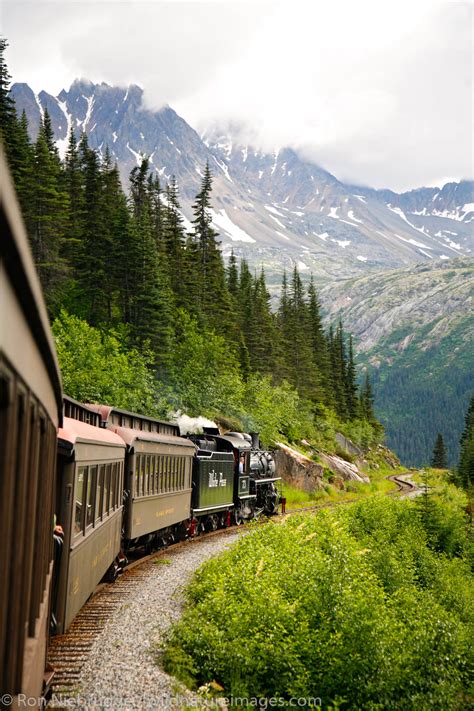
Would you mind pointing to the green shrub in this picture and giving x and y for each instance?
(351, 605)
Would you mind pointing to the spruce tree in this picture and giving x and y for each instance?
(48, 221)
(439, 458)
(232, 273)
(319, 343)
(14, 136)
(338, 369)
(260, 330)
(297, 341)
(74, 182)
(174, 242)
(152, 308)
(94, 250)
(366, 400)
(8, 118)
(213, 295)
(22, 168)
(465, 468)
(351, 383)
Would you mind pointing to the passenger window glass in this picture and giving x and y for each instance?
(91, 487)
(137, 474)
(174, 464)
(145, 475)
(105, 504)
(113, 486)
(78, 524)
(100, 493)
(120, 501)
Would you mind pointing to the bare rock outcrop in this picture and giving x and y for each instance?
(297, 469)
(346, 470)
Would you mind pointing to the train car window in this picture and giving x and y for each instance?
(137, 474)
(143, 475)
(106, 489)
(187, 480)
(113, 487)
(79, 519)
(152, 474)
(118, 477)
(172, 470)
(147, 475)
(120, 487)
(91, 490)
(158, 473)
(100, 493)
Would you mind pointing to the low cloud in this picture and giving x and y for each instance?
(377, 93)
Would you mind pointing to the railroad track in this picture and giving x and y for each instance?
(405, 486)
(69, 652)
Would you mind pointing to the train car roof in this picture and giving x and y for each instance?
(130, 436)
(18, 263)
(74, 431)
(106, 410)
(76, 410)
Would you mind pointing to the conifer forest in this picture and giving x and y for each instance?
(129, 289)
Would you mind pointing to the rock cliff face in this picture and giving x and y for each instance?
(297, 469)
(300, 471)
(275, 209)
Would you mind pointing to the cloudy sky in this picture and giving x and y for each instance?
(376, 91)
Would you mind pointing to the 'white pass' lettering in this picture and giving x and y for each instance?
(216, 479)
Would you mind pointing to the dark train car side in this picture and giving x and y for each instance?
(30, 412)
(90, 482)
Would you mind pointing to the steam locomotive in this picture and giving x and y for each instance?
(83, 485)
(128, 481)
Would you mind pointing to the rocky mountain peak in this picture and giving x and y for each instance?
(274, 208)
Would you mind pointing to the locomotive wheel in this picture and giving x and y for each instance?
(238, 519)
(212, 523)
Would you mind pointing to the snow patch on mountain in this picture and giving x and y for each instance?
(62, 143)
(222, 220)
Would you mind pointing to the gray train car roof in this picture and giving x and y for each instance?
(131, 436)
(106, 411)
(23, 315)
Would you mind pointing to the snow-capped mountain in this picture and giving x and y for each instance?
(275, 209)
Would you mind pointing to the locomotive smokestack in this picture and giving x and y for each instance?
(255, 440)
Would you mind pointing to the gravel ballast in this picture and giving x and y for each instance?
(121, 671)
